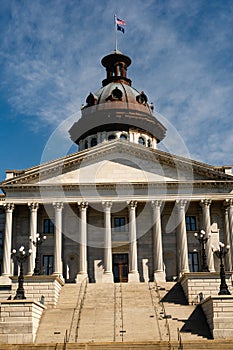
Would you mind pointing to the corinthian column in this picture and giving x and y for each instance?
(58, 238)
(108, 275)
(9, 207)
(83, 242)
(33, 230)
(133, 257)
(229, 227)
(205, 204)
(159, 273)
(182, 243)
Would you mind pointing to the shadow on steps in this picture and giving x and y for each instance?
(197, 324)
(175, 295)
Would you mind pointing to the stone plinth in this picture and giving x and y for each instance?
(19, 321)
(218, 311)
(200, 285)
(37, 286)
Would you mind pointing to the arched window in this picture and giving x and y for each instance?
(123, 137)
(148, 143)
(111, 137)
(141, 141)
(86, 144)
(93, 141)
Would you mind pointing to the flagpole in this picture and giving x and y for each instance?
(115, 26)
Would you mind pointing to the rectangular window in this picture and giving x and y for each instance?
(119, 224)
(48, 226)
(193, 262)
(190, 223)
(48, 264)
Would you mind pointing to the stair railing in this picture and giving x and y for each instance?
(155, 310)
(164, 314)
(77, 310)
(180, 345)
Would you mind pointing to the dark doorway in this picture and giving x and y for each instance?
(120, 267)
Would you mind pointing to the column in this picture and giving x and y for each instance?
(159, 273)
(9, 207)
(205, 204)
(108, 275)
(230, 226)
(228, 257)
(182, 243)
(133, 256)
(83, 242)
(33, 231)
(58, 239)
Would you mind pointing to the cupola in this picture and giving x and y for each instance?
(117, 110)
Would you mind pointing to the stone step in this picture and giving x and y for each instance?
(222, 344)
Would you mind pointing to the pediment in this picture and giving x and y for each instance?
(118, 161)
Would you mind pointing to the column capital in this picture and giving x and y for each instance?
(33, 206)
(9, 207)
(156, 204)
(82, 205)
(205, 202)
(107, 205)
(228, 203)
(181, 203)
(132, 204)
(58, 205)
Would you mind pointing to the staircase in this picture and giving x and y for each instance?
(122, 313)
(57, 324)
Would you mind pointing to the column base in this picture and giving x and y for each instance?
(5, 280)
(133, 277)
(107, 277)
(80, 277)
(159, 276)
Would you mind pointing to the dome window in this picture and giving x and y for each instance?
(111, 137)
(91, 100)
(142, 98)
(141, 141)
(86, 144)
(123, 137)
(93, 141)
(148, 143)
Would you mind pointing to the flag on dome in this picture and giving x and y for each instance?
(119, 24)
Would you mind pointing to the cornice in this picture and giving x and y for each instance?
(70, 162)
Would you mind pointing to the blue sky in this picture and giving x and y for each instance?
(50, 54)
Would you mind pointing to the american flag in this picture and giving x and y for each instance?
(120, 22)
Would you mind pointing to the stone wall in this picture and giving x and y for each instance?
(37, 286)
(19, 321)
(218, 311)
(200, 285)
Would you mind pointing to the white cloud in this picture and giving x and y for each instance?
(50, 54)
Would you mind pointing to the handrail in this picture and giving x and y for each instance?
(155, 311)
(81, 306)
(165, 315)
(78, 307)
(180, 345)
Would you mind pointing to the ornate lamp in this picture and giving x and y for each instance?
(21, 256)
(220, 252)
(202, 238)
(37, 243)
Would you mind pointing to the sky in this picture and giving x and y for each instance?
(50, 53)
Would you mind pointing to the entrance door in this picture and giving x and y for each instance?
(120, 267)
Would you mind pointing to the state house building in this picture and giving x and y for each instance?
(119, 209)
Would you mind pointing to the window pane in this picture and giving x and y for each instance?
(191, 223)
(119, 224)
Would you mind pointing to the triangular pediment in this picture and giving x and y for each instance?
(118, 161)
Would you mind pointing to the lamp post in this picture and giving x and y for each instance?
(202, 238)
(21, 257)
(37, 243)
(220, 252)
